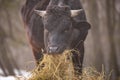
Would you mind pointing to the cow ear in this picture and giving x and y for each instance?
(41, 13)
(82, 25)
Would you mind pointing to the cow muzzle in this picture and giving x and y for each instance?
(52, 50)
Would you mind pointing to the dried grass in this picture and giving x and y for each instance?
(60, 67)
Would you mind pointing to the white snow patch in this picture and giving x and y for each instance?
(7, 78)
(23, 76)
(1, 72)
(23, 73)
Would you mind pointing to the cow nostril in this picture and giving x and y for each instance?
(53, 49)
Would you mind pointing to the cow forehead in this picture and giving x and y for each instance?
(58, 10)
(57, 17)
(53, 22)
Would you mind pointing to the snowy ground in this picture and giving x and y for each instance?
(23, 76)
(7, 78)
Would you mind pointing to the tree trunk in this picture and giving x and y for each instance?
(92, 16)
(6, 65)
(106, 23)
(104, 16)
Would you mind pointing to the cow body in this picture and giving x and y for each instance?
(56, 29)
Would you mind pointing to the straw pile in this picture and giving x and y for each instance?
(60, 67)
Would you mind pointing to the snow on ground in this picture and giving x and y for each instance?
(23, 76)
(7, 78)
(23, 73)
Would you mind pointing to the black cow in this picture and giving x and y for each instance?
(57, 28)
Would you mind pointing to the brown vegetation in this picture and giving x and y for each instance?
(60, 67)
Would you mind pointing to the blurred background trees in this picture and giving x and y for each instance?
(14, 50)
(102, 44)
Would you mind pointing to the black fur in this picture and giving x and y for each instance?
(56, 27)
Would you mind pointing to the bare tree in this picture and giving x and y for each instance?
(5, 59)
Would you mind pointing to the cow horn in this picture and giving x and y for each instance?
(41, 13)
(75, 12)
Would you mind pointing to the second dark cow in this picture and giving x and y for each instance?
(59, 28)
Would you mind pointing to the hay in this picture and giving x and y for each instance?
(60, 67)
(91, 73)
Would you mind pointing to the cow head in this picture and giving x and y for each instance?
(60, 27)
